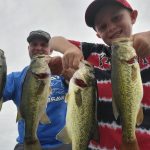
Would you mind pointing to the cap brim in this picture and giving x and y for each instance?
(92, 10)
(95, 6)
(34, 37)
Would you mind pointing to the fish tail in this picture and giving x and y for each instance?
(34, 145)
(130, 146)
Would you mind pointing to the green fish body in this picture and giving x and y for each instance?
(3, 74)
(127, 90)
(35, 92)
(81, 109)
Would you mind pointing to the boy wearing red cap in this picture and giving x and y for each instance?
(110, 19)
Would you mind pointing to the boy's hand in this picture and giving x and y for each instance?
(141, 43)
(55, 64)
(72, 58)
(72, 54)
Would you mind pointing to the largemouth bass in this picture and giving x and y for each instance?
(35, 92)
(127, 90)
(3, 73)
(81, 109)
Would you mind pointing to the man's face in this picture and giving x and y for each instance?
(38, 46)
(113, 21)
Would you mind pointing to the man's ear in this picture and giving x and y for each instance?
(51, 51)
(28, 47)
(134, 15)
(98, 35)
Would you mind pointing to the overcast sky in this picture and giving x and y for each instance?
(58, 17)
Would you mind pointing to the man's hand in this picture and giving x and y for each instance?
(55, 64)
(68, 73)
(141, 43)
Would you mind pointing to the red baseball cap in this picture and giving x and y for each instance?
(96, 5)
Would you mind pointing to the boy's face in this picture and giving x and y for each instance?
(113, 21)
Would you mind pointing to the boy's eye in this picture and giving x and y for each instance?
(117, 18)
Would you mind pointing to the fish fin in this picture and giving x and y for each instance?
(63, 136)
(19, 117)
(130, 146)
(1, 102)
(96, 136)
(40, 88)
(45, 119)
(140, 117)
(50, 90)
(0, 105)
(78, 98)
(96, 104)
(67, 97)
(32, 145)
(115, 110)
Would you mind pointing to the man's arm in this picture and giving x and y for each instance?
(55, 65)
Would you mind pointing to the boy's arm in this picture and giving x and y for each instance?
(72, 54)
(61, 44)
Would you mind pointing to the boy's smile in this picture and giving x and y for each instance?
(114, 21)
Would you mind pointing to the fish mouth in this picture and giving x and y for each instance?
(41, 75)
(80, 83)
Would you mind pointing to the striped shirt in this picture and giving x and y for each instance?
(110, 128)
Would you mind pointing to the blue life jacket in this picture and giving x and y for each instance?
(56, 107)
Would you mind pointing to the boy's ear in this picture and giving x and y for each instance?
(134, 15)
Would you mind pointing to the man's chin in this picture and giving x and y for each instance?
(37, 54)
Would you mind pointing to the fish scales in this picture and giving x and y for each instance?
(81, 108)
(35, 92)
(126, 87)
(3, 74)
